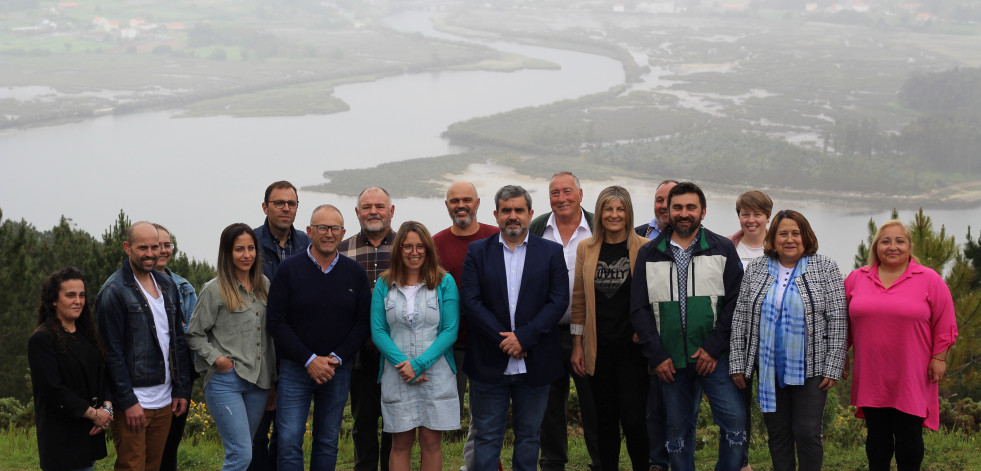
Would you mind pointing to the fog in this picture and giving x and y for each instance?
(182, 113)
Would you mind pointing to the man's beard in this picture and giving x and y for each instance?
(515, 232)
(692, 227)
(466, 221)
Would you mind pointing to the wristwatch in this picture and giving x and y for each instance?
(107, 406)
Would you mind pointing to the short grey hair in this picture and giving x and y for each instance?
(370, 188)
(562, 173)
(508, 192)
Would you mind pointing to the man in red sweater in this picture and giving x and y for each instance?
(451, 245)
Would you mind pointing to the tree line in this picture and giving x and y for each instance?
(28, 256)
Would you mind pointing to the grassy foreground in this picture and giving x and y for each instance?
(844, 450)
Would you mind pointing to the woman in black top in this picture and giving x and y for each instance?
(604, 345)
(72, 402)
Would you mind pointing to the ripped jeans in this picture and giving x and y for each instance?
(728, 411)
(237, 406)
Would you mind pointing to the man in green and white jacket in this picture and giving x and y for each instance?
(684, 292)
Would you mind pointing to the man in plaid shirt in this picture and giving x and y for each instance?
(372, 248)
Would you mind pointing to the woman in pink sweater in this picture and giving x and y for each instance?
(902, 324)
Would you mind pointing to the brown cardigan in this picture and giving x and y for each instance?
(584, 292)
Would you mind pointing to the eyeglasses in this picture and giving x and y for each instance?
(290, 204)
(167, 245)
(407, 248)
(323, 228)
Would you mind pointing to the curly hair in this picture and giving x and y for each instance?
(47, 315)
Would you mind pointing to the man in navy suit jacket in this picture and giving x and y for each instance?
(515, 288)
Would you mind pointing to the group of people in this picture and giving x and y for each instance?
(643, 319)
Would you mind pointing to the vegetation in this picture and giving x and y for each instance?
(28, 256)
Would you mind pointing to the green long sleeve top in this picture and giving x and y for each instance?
(241, 336)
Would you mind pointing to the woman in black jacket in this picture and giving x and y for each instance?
(72, 403)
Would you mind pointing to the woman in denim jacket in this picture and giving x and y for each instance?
(414, 317)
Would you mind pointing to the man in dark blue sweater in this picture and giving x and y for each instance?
(317, 314)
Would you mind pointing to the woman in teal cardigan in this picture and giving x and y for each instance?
(414, 316)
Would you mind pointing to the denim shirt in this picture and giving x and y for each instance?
(269, 249)
(127, 328)
(185, 295)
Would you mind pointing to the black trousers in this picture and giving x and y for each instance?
(619, 386)
(366, 411)
(264, 444)
(554, 431)
(795, 428)
(169, 460)
(891, 431)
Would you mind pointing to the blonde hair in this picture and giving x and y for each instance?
(873, 258)
(608, 194)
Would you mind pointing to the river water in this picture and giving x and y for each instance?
(197, 175)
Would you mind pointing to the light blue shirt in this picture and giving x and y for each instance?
(653, 230)
(327, 270)
(514, 266)
(329, 267)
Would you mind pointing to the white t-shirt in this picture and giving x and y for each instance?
(410, 299)
(159, 396)
(747, 253)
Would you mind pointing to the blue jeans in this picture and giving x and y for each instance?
(489, 409)
(237, 406)
(657, 422)
(293, 397)
(728, 411)
(90, 468)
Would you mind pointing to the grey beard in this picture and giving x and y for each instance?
(463, 222)
(515, 232)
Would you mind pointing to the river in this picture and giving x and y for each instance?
(197, 175)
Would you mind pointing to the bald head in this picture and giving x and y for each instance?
(462, 203)
(461, 187)
(326, 207)
(142, 246)
(139, 226)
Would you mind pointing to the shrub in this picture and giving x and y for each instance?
(200, 425)
(14, 414)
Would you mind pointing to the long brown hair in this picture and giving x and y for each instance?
(227, 283)
(47, 315)
(432, 273)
